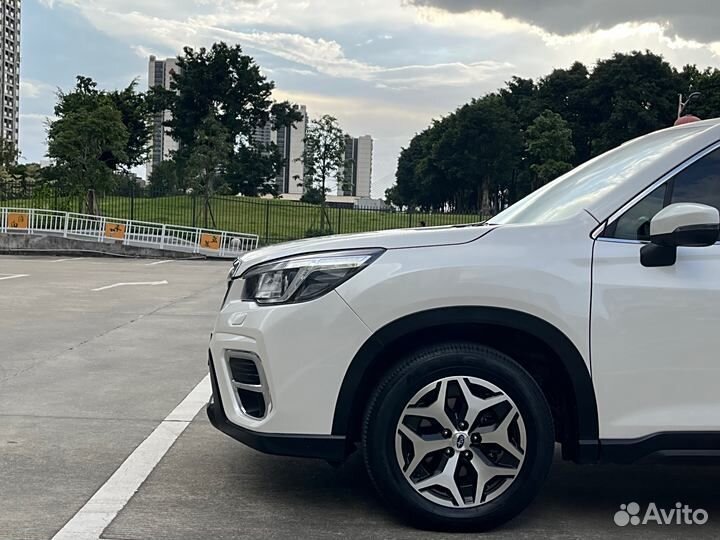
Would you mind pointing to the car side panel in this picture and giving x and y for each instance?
(655, 334)
(543, 271)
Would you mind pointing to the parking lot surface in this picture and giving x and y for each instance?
(97, 352)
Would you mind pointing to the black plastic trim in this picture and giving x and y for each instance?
(690, 444)
(587, 445)
(330, 447)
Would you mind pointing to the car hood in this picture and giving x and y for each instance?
(393, 239)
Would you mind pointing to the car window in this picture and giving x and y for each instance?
(581, 187)
(699, 183)
(635, 223)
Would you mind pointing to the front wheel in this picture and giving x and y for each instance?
(458, 437)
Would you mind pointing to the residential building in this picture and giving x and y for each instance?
(10, 70)
(356, 178)
(160, 74)
(291, 144)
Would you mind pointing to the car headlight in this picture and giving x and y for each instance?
(305, 277)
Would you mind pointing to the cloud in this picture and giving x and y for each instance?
(324, 56)
(30, 89)
(383, 67)
(693, 19)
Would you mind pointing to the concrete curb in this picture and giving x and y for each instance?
(26, 244)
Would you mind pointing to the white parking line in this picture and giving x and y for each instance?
(114, 285)
(92, 519)
(159, 262)
(66, 260)
(13, 276)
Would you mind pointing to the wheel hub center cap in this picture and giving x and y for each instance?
(461, 440)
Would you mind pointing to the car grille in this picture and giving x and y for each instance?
(248, 380)
(244, 371)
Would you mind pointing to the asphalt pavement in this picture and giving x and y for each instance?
(96, 353)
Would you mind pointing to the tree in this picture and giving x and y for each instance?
(136, 111)
(16, 180)
(550, 147)
(565, 91)
(80, 141)
(462, 161)
(707, 82)
(207, 161)
(97, 138)
(417, 173)
(9, 154)
(164, 179)
(480, 146)
(324, 156)
(631, 95)
(485, 143)
(227, 85)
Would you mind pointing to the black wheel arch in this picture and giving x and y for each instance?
(379, 352)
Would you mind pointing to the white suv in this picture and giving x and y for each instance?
(587, 314)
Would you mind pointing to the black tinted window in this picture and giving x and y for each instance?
(635, 223)
(699, 183)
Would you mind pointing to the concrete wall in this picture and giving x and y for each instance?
(29, 244)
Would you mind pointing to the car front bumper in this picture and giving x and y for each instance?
(331, 448)
(296, 357)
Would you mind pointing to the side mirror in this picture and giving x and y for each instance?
(681, 224)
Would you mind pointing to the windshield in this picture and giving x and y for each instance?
(578, 189)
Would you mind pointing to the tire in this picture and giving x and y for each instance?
(411, 393)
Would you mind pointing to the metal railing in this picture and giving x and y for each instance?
(194, 240)
(272, 220)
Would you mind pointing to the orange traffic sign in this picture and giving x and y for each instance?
(115, 230)
(18, 220)
(210, 241)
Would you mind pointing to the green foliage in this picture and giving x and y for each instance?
(481, 143)
(164, 179)
(460, 160)
(96, 135)
(9, 154)
(313, 232)
(224, 84)
(313, 195)
(136, 111)
(706, 82)
(630, 95)
(324, 156)
(85, 141)
(252, 170)
(549, 147)
(207, 160)
(16, 180)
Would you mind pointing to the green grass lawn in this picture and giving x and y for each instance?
(272, 220)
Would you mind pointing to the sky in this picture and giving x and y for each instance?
(384, 68)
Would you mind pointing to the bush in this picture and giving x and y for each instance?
(313, 232)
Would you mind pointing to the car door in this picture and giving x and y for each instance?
(655, 332)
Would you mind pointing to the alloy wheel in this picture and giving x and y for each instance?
(460, 442)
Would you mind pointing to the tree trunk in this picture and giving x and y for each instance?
(91, 203)
(485, 209)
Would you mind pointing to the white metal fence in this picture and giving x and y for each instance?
(127, 232)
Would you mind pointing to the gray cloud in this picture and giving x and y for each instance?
(691, 19)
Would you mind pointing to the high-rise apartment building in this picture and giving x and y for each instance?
(356, 179)
(10, 70)
(291, 144)
(160, 74)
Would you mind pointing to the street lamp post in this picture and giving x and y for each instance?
(683, 104)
